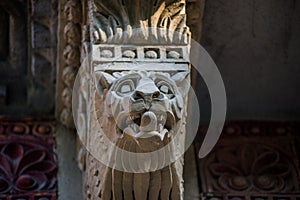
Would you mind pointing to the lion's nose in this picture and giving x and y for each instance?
(146, 96)
(146, 90)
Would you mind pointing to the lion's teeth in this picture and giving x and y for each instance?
(161, 127)
(135, 128)
(161, 117)
(136, 116)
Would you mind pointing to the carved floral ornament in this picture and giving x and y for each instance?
(27, 162)
(24, 170)
(250, 168)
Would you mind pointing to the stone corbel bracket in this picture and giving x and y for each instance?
(137, 101)
(139, 105)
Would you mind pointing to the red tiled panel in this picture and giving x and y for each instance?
(27, 161)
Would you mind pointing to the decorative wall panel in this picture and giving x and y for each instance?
(27, 160)
(253, 160)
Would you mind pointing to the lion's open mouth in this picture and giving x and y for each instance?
(145, 116)
(146, 123)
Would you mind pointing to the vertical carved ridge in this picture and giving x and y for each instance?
(155, 185)
(107, 186)
(141, 185)
(127, 186)
(117, 185)
(166, 183)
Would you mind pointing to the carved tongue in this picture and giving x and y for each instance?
(148, 127)
(148, 122)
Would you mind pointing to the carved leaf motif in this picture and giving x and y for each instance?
(25, 167)
(218, 169)
(5, 167)
(227, 157)
(154, 19)
(14, 152)
(265, 161)
(247, 154)
(31, 157)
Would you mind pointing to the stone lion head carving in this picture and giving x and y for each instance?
(140, 112)
(144, 104)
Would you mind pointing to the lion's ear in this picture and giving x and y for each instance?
(182, 80)
(103, 81)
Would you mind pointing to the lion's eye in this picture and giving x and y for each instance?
(126, 87)
(164, 89)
